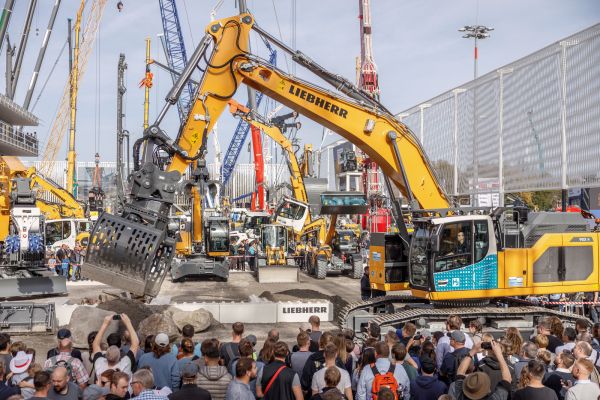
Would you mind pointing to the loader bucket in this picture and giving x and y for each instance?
(278, 274)
(20, 287)
(128, 255)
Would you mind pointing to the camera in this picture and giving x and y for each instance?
(486, 345)
(117, 317)
(418, 336)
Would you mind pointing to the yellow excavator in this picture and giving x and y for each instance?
(503, 253)
(316, 247)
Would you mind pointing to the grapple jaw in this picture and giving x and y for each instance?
(128, 255)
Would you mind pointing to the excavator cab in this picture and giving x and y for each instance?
(292, 213)
(454, 254)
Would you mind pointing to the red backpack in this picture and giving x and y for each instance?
(384, 380)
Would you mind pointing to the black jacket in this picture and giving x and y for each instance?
(281, 387)
(190, 391)
(365, 286)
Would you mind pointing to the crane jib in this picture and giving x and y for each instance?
(316, 100)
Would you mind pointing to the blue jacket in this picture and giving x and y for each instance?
(365, 382)
(165, 369)
(427, 387)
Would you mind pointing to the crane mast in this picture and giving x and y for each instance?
(369, 81)
(71, 188)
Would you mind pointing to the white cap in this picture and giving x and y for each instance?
(162, 339)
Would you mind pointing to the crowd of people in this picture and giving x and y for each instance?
(461, 362)
(66, 262)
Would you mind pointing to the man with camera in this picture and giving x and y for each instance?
(112, 358)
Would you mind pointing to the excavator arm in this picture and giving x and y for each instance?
(271, 130)
(68, 207)
(133, 250)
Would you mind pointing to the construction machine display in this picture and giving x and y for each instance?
(503, 253)
(22, 261)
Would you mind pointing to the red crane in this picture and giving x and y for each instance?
(368, 70)
(377, 219)
(259, 170)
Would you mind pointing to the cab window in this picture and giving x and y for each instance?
(482, 240)
(455, 246)
(53, 232)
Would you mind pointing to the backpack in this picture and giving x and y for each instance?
(67, 364)
(384, 380)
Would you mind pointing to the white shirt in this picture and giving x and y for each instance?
(567, 346)
(583, 390)
(318, 380)
(101, 365)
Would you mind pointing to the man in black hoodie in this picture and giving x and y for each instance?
(316, 361)
(427, 386)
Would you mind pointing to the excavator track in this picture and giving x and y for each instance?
(353, 314)
(490, 313)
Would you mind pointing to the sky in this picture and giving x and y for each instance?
(416, 45)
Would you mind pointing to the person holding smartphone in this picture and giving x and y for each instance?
(112, 358)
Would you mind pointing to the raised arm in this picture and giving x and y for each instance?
(98, 339)
(135, 340)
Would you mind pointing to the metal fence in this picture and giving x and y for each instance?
(531, 125)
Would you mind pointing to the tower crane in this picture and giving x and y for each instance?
(66, 113)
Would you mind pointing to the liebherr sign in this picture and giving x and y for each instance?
(301, 311)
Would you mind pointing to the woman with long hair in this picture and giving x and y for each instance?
(516, 342)
(267, 353)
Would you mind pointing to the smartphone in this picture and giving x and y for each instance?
(117, 317)
(486, 345)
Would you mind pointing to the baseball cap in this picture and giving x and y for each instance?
(162, 339)
(190, 370)
(63, 333)
(251, 339)
(306, 326)
(458, 336)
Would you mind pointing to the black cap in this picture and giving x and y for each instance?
(63, 333)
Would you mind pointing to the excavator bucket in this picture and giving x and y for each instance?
(277, 274)
(127, 255)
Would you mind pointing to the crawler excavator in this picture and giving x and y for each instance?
(506, 253)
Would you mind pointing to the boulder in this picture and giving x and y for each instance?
(200, 319)
(135, 310)
(86, 319)
(161, 322)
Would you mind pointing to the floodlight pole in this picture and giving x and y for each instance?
(475, 32)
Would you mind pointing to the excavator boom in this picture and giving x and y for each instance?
(133, 251)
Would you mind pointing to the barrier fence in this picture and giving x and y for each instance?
(533, 124)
